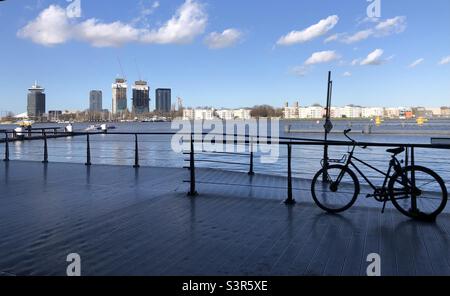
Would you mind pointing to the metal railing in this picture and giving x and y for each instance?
(246, 140)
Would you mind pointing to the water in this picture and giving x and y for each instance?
(157, 151)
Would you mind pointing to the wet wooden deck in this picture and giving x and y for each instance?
(124, 221)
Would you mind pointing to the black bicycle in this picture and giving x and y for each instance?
(416, 191)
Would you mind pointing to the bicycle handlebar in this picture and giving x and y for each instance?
(353, 141)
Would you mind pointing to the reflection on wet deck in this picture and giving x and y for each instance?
(124, 221)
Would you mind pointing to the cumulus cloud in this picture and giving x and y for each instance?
(189, 21)
(331, 38)
(310, 33)
(106, 34)
(416, 63)
(359, 36)
(373, 59)
(53, 26)
(384, 28)
(227, 38)
(394, 25)
(445, 61)
(322, 57)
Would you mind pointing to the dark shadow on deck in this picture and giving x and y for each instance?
(124, 221)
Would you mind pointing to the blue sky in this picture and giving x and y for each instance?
(228, 53)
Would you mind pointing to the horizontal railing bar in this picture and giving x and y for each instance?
(297, 141)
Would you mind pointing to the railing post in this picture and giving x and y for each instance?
(6, 148)
(413, 181)
(290, 200)
(88, 150)
(136, 152)
(192, 192)
(29, 131)
(251, 172)
(45, 149)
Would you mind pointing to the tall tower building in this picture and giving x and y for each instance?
(163, 99)
(119, 96)
(95, 101)
(141, 97)
(36, 101)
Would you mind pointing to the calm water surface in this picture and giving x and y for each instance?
(157, 151)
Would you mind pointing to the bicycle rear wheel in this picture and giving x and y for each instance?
(430, 192)
(333, 197)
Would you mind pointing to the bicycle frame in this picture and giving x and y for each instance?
(393, 164)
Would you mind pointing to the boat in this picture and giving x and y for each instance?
(105, 127)
(25, 123)
(91, 128)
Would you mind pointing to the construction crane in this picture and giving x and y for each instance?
(121, 69)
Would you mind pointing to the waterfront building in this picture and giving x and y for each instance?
(351, 111)
(225, 114)
(204, 114)
(141, 97)
(188, 114)
(95, 101)
(163, 100)
(312, 112)
(198, 114)
(36, 101)
(336, 112)
(291, 112)
(243, 114)
(372, 112)
(445, 111)
(119, 96)
(436, 112)
(391, 112)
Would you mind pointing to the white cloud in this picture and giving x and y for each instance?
(445, 60)
(347, 74)
(310, 33)
(374, 58)
(394, 25)
(331, 38)
(384, 28)
(145, 10)
(416, 63)
(322, 57)
(53, 27)
(358, 36)
(106, 34)
(300, 70)
(227, 38)
(355, 62)
(188, 22)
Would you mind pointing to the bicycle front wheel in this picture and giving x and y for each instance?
(429, 191)
(330, 193)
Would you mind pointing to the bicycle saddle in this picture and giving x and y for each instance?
(396, 150)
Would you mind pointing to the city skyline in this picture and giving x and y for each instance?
(225, 59)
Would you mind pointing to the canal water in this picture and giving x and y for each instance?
(157, 150)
